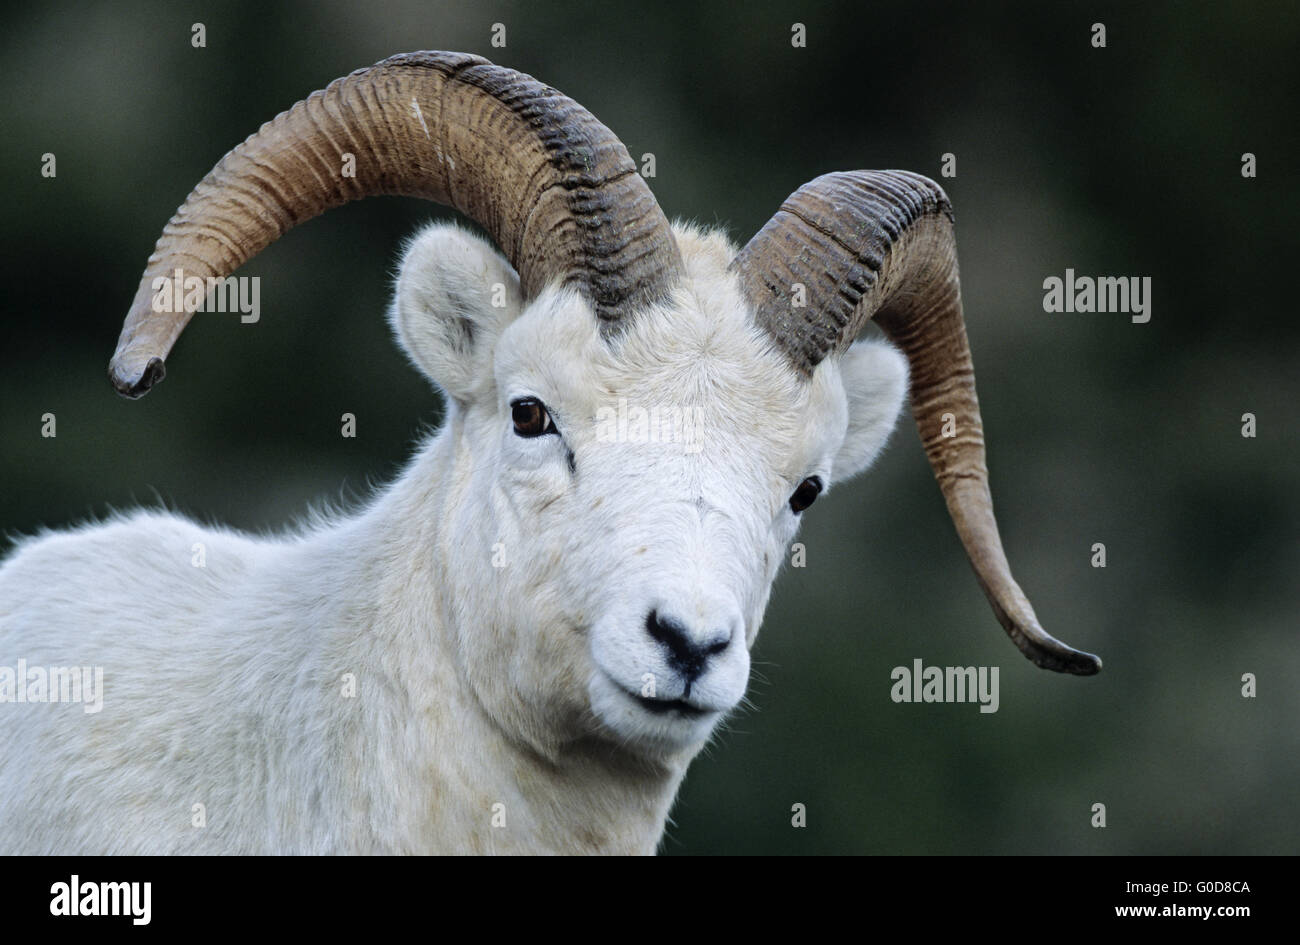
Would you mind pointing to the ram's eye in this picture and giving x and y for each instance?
(806, 494)
(531, 418)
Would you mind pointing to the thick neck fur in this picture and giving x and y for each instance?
(473, 772)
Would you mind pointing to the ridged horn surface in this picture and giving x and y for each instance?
(878, 245)
(551, 185)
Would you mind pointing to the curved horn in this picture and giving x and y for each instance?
(879, 245)
(554, 188)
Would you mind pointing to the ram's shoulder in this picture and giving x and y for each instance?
(145, 537)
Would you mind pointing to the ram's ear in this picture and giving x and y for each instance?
(875, 379)
(454, 296)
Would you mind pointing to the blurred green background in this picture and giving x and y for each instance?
(1118, 161)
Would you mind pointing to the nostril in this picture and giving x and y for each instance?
(658, 628)
(671, 634)
(716, 648)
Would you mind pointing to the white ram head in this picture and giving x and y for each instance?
(638, 559)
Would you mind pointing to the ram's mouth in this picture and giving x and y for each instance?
(673, 712)
(666, 706)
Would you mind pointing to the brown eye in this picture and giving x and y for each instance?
(806, 494)
(531, 418)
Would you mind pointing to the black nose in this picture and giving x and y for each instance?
(688, 653)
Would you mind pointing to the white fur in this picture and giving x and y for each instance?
(477, 685)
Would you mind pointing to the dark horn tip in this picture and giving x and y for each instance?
(1065, 660)
(132, 387)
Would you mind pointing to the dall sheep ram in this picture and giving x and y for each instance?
(551, 704)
